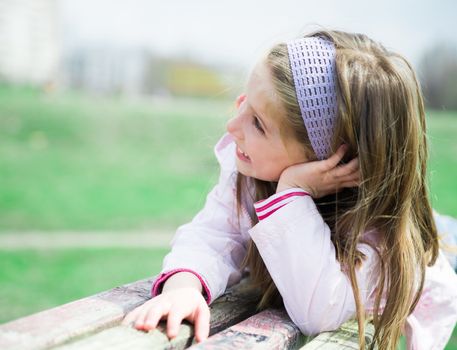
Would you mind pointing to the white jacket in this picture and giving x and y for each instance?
(295, 245)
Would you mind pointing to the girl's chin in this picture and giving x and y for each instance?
(244, 170)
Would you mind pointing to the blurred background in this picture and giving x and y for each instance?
(109, 111)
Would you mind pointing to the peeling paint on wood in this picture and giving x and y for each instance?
(345, 337)
(269, 329)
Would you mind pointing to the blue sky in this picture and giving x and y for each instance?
(237, 31)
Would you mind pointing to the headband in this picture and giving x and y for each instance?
(312, 61)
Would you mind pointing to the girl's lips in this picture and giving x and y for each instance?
(242, 156)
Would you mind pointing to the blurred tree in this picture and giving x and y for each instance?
(438, 75)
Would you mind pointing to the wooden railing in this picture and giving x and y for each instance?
(94, 323)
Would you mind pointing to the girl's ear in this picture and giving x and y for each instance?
(240, 99)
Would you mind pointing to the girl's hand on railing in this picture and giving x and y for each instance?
(174, 305)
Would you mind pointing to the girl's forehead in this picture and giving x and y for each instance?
(261, 94)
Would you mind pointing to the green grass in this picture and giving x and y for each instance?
(442, 130)
(31, 281)
(77, 162)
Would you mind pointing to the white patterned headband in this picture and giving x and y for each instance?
(312, 61)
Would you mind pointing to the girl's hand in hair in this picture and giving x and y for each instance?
(174, 305)
(322, 177)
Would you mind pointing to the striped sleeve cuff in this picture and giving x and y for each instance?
(265, 207)
(159, 282)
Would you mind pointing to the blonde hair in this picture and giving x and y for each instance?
(381, 117)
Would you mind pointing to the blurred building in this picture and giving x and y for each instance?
(128, 71)
(103, 69)
(32, 53)
(29, 41)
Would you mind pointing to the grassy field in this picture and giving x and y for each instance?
(34, 280)
(82, 163)
(73, 162)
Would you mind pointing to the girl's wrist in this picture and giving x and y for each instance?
(282, 186)
(180, 280)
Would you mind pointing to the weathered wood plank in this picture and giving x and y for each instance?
(345, 337)
(126, 338)
(235, 305)
(269, 329)
(86, 319)
(76, 319)
(93, 323)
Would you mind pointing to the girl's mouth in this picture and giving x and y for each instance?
(241, 155)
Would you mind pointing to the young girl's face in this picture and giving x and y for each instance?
(261, 153)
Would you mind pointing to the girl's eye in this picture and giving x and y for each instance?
(257, 124)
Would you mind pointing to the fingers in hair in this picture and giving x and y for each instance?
(350, 184)
(353, 165)
(334, 160)
(349, 169)
(354, 176)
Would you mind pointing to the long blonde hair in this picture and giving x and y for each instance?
(381, 117)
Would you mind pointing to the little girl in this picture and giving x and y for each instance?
(322, 195)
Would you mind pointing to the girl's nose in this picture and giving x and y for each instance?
(233, 127)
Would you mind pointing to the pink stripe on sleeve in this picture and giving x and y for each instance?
(264, 208)
(261, 217)
(158, 283)
(279, 199)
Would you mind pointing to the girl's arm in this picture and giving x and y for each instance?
(205, 257)
(211, 246)
(294, 242)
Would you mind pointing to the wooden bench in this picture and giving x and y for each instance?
(94, 323)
